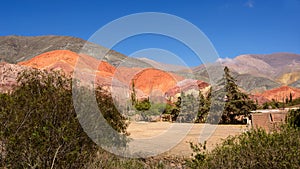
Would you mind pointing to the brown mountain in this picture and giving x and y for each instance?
(15, 49)
(283, 68)
(296, 84)
(163, 66)
(254, 73)
(257, 73)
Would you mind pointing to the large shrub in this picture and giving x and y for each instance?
(293, 118)
(254, 149)
(40, 128)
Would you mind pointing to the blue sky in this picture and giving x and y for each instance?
(234, 27)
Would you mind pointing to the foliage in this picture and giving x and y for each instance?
(188, 103)
(254, 149)
(143, 105)
(183, 110)
(168, 109)
(40, 128)
(105, 160)
(111, 114)
(276, 104)
(293, 102)
(272, 104)
(236, 104)
(204, 107)
(158, 108)
(293, 118)
(199, 155)
(133, 94)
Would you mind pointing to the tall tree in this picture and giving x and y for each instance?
(188, 108)
(237, 102)
(291, 98)
(204, 106)
(133, 94)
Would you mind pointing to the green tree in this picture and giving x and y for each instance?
(293, 118)
(143, 105)
(291, 98)
(176, 109)
(237, 102)
(133, 94)
(187, 109)
(229, 100)
(204, 106)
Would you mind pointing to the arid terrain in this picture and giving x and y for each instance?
(144, 130)
(150, 94)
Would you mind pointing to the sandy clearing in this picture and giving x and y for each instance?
(149, 130)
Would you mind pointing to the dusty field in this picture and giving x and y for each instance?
(175, 137)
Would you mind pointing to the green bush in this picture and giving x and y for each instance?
(40, 128)
(105, 160)
(254, 149)
(293, 118)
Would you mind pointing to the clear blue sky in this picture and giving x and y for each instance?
(234, 26)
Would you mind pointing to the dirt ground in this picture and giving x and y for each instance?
(166, 133)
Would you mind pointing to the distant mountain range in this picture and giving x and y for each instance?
(255, 74)
(283, 68)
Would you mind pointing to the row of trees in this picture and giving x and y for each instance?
(276, 104)
(228, 100)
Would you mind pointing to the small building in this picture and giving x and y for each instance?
(268, 119)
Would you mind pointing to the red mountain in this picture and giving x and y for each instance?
(66, 61)
(281, 93)
(148, 81)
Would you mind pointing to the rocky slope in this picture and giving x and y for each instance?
(14, 49)
(296, 84)
(188, 86)
(281, 93)
(257, 73)
(163, 66)
(8, 76)
(67, 61)
(154, 81)
(283, 68)
(254, 73)
(271, 65)
(148, 81)
(62, 60)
